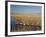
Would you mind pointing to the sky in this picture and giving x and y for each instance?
(25, 9)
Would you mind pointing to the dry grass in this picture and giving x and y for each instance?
(29, 20)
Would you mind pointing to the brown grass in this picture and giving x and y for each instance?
(29, 20)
